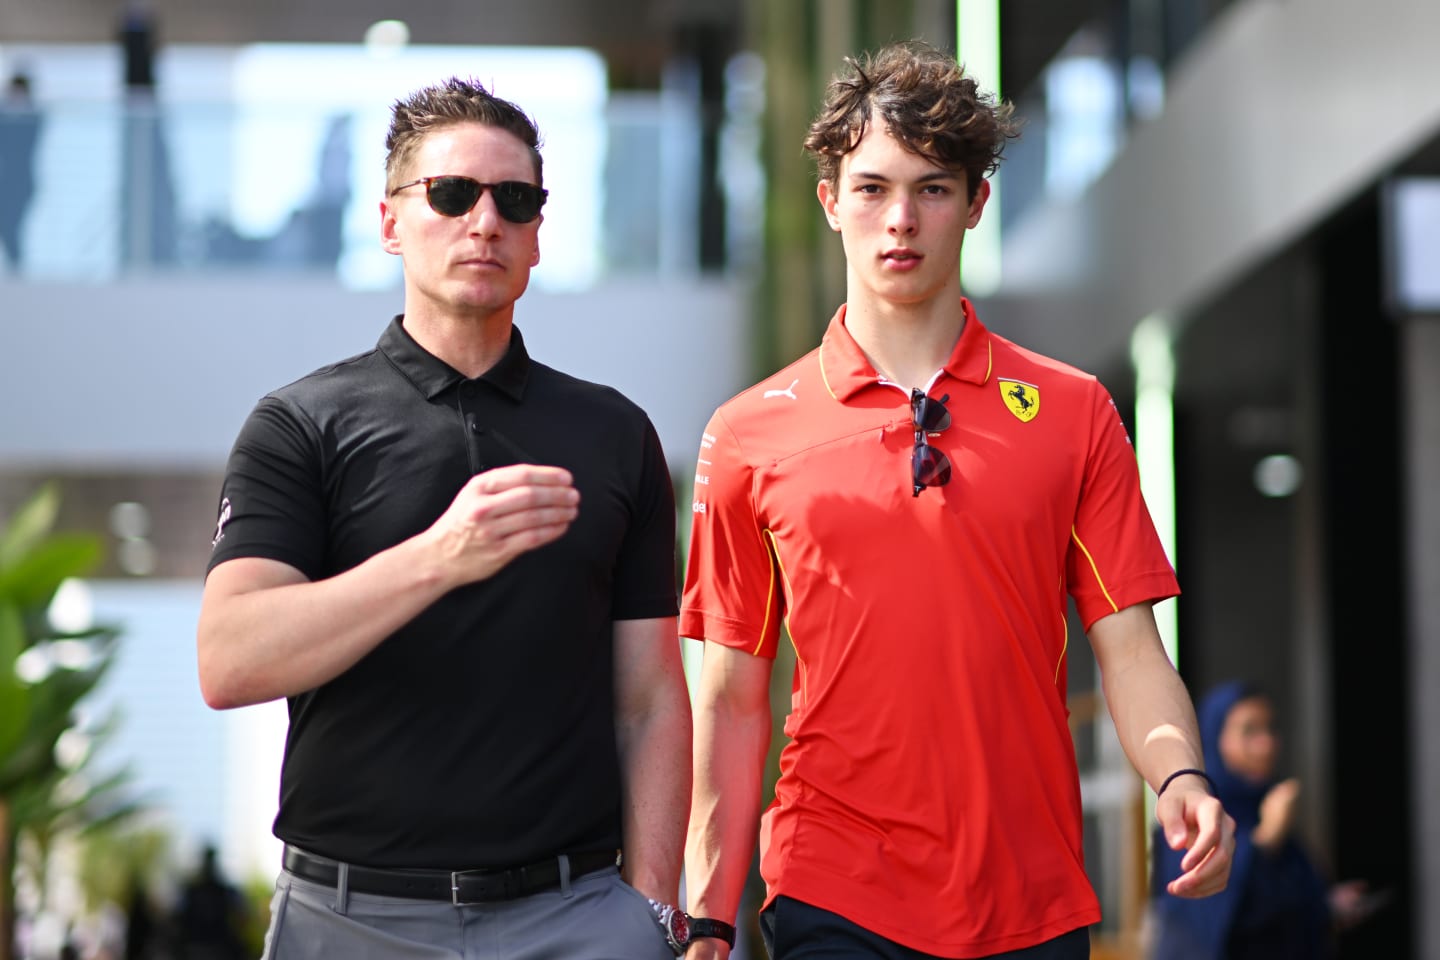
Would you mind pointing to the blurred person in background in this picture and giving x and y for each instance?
(915, 499)
(210, 915)
(149, 207)
(1278, 906)
(458, 565)
(143, 934)
(19, 137)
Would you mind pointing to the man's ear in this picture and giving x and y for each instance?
(828, 195)
(977, 205)
(389, 237)
(535, 257)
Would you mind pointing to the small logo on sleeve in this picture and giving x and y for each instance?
(220, 524)
(1022, 399)
(1120, 420)
(787, 392)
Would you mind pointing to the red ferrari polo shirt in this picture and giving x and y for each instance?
(928, 791)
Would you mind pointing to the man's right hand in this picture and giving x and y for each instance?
(500, 514)
(708, 948)
(267, 631)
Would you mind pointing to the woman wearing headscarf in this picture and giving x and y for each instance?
(1277, 906)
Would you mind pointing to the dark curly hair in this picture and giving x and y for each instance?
(925, 101)
(443, 105)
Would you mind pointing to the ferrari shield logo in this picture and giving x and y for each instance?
(1022, 398)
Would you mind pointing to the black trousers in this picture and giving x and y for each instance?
(794, 930)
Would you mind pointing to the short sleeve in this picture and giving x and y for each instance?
(272, 503)
(1115, 559)
(732, 583)
(644, 586)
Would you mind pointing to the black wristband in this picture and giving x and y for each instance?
(1191, 771)
(719, 929)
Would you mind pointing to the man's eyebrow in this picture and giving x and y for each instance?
(927, 178)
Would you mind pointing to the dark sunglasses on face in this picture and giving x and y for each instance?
(928, 466)
(515, 200)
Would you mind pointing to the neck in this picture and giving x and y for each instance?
(906, 343)
(471, 344)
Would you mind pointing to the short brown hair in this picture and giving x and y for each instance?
(925, 100)
(444, 105)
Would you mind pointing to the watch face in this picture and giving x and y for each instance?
(680, 928)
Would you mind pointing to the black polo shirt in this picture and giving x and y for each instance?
(481, 733)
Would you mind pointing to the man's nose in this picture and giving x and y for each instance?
(484, 217)
(900, 218)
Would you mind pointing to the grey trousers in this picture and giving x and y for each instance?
(594, 917)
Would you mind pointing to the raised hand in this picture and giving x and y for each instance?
(1277, 814)
(500, 514)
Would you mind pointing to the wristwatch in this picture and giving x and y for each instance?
(681, 929)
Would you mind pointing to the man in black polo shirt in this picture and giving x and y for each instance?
(458, 566)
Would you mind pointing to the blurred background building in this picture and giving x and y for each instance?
(1229, 211)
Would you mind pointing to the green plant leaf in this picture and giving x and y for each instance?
(31, 758)
(51, 708)
(39, 802)
(31, 578)
(30, 524)
(30, 798)
(104, 820)
(14, 693)
(102, 634)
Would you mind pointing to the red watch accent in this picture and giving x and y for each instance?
(681, 929)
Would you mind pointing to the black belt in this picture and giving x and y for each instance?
(456, 886)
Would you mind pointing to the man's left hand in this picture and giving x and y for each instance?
(1194, 821)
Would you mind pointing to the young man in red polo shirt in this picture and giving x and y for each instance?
(915, 499)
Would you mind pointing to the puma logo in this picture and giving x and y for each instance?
(220, 525)
(787, 392)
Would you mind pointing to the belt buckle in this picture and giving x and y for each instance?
(457, 875)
